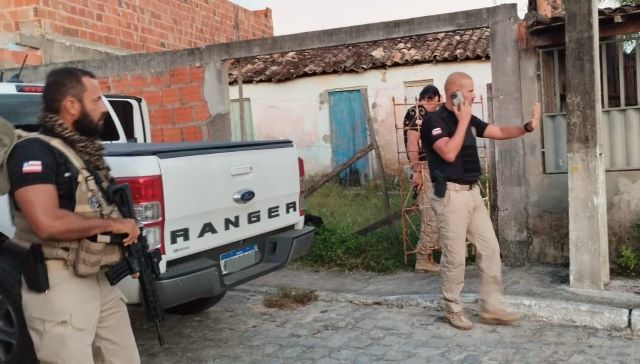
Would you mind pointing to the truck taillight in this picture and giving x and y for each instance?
(148, 204)
(301, 196)
(30, 89)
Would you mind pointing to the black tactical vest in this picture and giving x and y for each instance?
(465, 169)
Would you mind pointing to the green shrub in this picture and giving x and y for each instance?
(336, 246)
(628, 259)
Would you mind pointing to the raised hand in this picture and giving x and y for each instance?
(534, 122)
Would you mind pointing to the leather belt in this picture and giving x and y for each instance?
(458, 187)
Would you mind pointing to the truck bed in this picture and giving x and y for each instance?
(172, 150)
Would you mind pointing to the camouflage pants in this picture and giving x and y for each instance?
(429, 239)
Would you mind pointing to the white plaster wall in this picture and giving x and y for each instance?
(299, 109)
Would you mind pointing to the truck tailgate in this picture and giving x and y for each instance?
(224, 197)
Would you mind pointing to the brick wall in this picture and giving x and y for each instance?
(134, 25)
(177, 108)
(15, 57)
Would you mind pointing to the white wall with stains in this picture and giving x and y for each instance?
(299, 109)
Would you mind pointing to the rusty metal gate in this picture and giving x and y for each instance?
(409, 207)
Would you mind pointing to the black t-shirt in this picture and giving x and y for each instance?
(436, 128)
(465, 168)
(34, 161)
(413, 120)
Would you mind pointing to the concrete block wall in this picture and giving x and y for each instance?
(129, 26)
(177, 108)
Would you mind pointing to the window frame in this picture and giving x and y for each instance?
(604, 67)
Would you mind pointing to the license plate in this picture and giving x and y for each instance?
(238, 259)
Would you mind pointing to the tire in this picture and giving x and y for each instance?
(195, 306)
(15, 343)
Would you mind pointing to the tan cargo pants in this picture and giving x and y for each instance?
(462, 214)
(429, 239)
(76, 314)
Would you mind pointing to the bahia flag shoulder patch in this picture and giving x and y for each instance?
(32, 167)
(436, 131)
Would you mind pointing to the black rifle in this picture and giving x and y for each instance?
(138, 259)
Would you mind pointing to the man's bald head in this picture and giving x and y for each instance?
(459, 81)
(455, 82)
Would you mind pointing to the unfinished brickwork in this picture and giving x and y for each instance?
(178, 113)
(121, 26)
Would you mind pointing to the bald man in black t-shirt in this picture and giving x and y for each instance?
(449, 139)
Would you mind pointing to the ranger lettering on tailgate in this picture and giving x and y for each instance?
(183, 234)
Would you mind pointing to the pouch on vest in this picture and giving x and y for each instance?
(88, 258)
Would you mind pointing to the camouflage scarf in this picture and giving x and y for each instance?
(90, 150)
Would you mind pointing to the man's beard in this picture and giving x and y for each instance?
(86, 127)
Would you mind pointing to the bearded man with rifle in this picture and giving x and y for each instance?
(58, 179)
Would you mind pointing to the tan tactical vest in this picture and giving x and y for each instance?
(86, 257)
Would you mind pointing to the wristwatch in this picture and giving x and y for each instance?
(527, 127)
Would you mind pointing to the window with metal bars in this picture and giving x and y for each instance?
(620, 82)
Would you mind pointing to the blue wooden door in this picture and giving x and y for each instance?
(348, 134)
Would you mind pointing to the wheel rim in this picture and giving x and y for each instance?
(8, 329)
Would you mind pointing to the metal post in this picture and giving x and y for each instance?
(372, 137)
(243, 135)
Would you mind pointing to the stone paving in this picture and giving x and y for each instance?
(241, 330)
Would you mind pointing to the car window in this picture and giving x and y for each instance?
(109, 131)
(23, 111)
(124, 111)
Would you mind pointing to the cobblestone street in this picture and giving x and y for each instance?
(241, 330)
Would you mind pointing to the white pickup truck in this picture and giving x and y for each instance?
(221, 213)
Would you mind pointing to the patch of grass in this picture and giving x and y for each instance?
(336, 246)
(289, 298)
(358, 206)
(345, 211)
